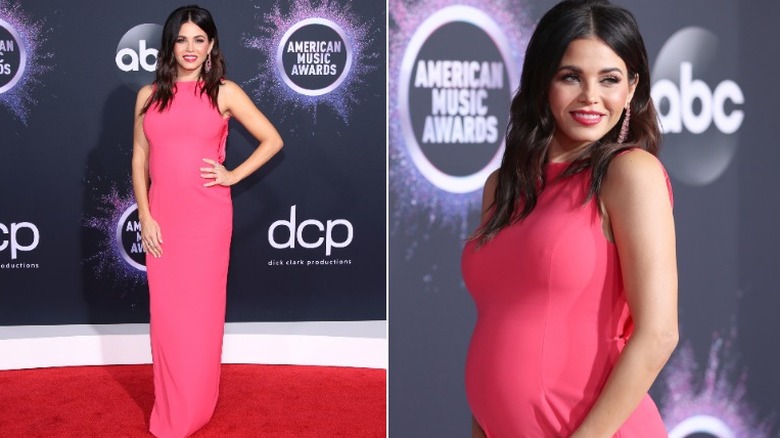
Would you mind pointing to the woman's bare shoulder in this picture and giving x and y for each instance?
(634, 167)
(146, 91)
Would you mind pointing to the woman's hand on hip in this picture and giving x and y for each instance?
(218, 173)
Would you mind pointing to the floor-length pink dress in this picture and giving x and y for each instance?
(552, 319)
(187, 284)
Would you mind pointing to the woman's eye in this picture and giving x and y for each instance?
(611, 80)
(570, 78)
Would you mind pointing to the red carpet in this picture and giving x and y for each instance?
(255, 401)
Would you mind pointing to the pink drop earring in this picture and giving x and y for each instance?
(208, 63)
(624, 127)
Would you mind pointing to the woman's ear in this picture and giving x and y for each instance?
(632, 83)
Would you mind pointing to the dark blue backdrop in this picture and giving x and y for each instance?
(722, 164)
(66, 141)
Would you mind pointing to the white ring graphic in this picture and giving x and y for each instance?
(22, 56)
(702, 424)
(119, 229)
(280, 52)
(466, 14)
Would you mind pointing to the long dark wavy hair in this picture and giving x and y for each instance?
(521, 176)
(165, 81)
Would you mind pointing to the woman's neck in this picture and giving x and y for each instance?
(187, 76)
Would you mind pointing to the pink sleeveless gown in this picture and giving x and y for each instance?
(187, 284)
(552, 319)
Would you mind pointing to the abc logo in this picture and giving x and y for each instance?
(136, 55)
(309, 233)
(699, 108)
(712, 104)
(22, 236)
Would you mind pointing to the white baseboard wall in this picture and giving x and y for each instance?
(328, 343)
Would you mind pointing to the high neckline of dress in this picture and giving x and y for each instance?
(553, 169)
(557, 164)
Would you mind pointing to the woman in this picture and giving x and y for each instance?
(185, 210)
(573, 270)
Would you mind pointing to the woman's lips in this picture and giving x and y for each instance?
(587, 118)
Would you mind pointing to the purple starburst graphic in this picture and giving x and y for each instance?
(713, 403)
(272, 26)
(415, 195)
(108, 261)
(19, 99)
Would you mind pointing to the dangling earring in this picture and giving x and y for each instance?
(624, 126)
(208, 63)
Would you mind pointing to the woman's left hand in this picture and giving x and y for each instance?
(218, 173)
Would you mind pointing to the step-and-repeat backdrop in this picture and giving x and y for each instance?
(713, 74)
(309, 227)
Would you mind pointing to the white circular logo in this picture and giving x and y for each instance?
(136, 55)
(702, 424)
(128, 238)
(700, 112)
(454, 88)
(13, 57)
(314, 56)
